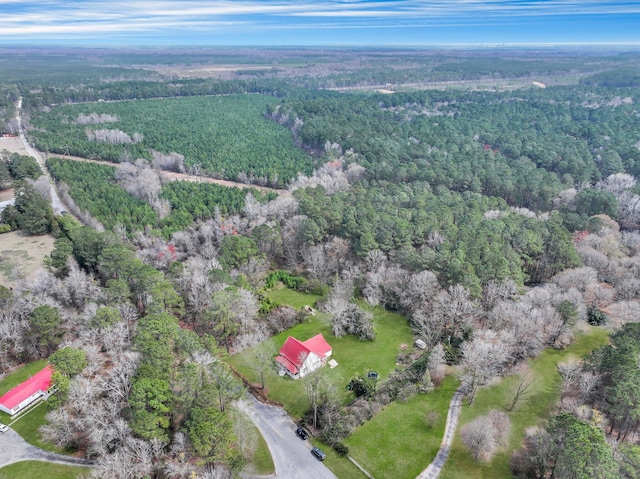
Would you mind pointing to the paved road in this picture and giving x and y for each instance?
(15, 449)
(433, 470)
(291, 455)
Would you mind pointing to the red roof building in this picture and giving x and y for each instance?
(26, 393)
(299, 358)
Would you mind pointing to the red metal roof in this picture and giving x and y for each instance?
(318, 345)
(38, 382)
(293, 352)
(287, 364)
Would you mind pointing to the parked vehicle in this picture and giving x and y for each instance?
(4, 428)
(321, 456)
(302, 433)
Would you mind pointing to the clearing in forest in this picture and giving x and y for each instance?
(21, 255)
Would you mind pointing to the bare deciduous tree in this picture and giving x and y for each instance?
(95, 119)
(520, 389)
(168, 161)
(486, 434)
(483, 359)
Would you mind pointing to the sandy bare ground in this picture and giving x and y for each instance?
(6, 195)
(13, 145)
(21, 256)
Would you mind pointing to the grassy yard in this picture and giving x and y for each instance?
(262, 463)
(538, 405)
(403, 438)
(28, 423)
(40, 470)
(292, 298)
(354, 357)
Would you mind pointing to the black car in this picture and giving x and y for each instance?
(321, 456)
(302, 433)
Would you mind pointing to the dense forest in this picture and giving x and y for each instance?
(497, 223)
(225, 136)
(138, 198)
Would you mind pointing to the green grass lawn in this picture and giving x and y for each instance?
(292, 298)
(262, 463)
(401, 441)
(354, 357)
(40, 470)
(28, 423)
(538, 405)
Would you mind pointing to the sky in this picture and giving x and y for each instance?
(311, 22)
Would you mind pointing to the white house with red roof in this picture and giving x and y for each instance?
(299, 358)
(26, 393)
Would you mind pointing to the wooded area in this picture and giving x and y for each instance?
(495, 223)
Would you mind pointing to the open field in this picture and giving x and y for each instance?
(21, 255)
(403, 439)
(13, 145)
(540, 404)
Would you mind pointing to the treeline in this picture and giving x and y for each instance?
(143, 89)
(523, 146)
(224, 136)
(466, 238)
(95, 188)
(200, 201)
(8, 96)
(14, 166)
(621, 77)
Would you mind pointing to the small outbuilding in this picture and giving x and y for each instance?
(299, 358)
(25, 394)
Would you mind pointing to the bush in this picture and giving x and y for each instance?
(283, 318)
(596, 317)
(291, 282)
(341, 449)
(268, 305)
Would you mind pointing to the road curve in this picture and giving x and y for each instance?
(433, 470)
(291, 455)
(15, 449)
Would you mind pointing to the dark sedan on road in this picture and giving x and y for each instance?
(302, 433)
(321, 456)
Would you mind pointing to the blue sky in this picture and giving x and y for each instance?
(311, 22)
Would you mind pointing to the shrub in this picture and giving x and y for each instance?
(341, 449)
(282, 318)
(291, 282)
(596, 317)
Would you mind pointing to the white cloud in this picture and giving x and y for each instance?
(85, 17)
